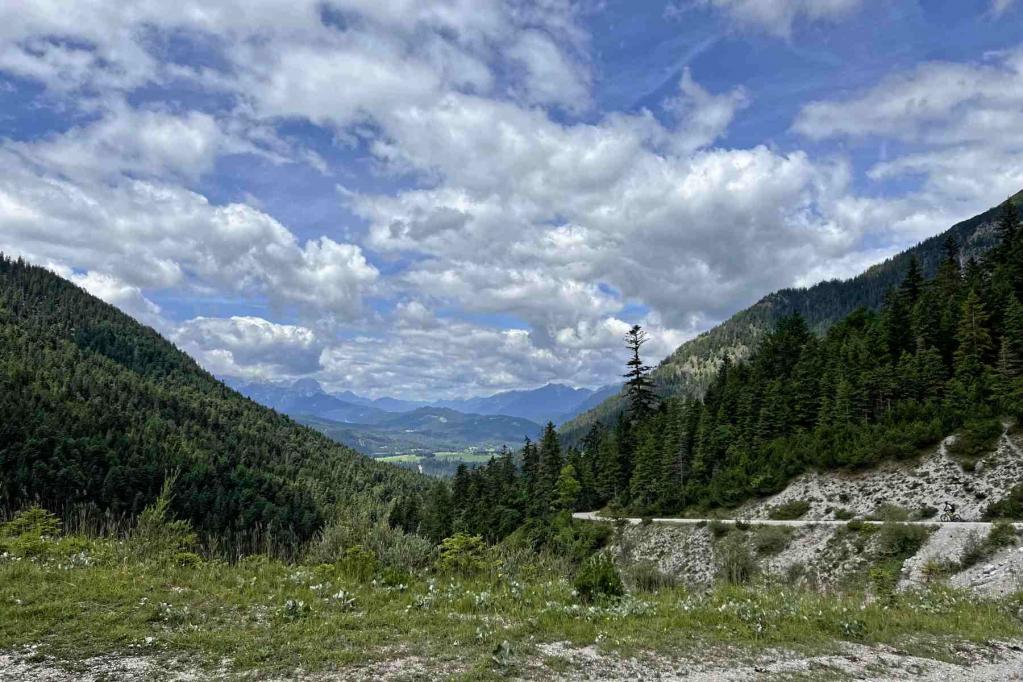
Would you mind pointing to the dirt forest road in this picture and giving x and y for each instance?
(982, 526)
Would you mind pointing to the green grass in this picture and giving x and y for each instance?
(83, 597)
(399, 458)
(448, 456)
(465, 456)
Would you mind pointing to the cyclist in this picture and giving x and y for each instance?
(950, 512)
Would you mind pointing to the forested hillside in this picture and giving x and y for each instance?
(98, 410)
(690, 369)
(943, 353)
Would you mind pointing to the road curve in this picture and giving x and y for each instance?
(797, 523)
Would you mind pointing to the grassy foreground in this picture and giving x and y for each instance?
(85, 597)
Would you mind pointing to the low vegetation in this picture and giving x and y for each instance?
(789, 511)
(480, 615)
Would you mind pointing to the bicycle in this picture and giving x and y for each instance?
(949, 517)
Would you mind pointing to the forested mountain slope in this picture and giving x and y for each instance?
(97, 409)
(693, 365)
(943, 355)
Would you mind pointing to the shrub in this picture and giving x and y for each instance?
(1009, 507)
(393, 547)
(156, 536)
(926, 512)
(974, 440)
(598, 580)
(890, 512)
(843, 514)
(1002, 534)
(855, 525)
(770, 540)
(358, 563)
(789, 511)
(719, 528)
(645, 576)
(463, 554)
(30, 533)
(900, 540)
(736, 564)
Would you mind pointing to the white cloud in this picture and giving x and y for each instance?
(561, 222)
(250, 347)
(928, 104)
(154, 235)
(550, 76)
(962, 129)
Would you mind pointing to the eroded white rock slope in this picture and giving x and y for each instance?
(828, 554)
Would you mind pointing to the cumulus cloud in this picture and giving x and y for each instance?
(154, 235)
(504, 192)
(250, 347)
(962, 124)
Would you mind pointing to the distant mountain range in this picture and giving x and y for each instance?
(428, 429)
(692, 366)
(391, 425)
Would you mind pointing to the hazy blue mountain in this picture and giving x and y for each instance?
(428, 429)
(306, 396)
(553, 402)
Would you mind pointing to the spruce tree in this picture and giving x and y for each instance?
(567, 489)
(639, 388)
(973, 338)
(550, 463)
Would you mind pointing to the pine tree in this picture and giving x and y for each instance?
(550, 467)
(1008, 229)
(639, 388)
(530, 469)
(973, 338)
(567, 489)
(646, 471)
(912, 284)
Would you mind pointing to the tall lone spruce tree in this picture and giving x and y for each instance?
(639, 388)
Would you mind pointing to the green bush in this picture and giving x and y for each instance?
(646, 577)
(770, 540)
(156, 536)
(462, 554)
(900, 540)
(789, 511)
(735, 563)
(358, 563)
(393, 547)
(1009, 507)
(843, 514)
(976, 439)
(889, 512)
(31, 533)
(719, 528)
(598, 580)
(1002, 534)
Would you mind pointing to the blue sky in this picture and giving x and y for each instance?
(458, 197)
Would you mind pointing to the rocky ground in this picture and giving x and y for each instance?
(934, 479)
(822, 550)
(562, 661)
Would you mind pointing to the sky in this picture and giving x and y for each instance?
(457, 197)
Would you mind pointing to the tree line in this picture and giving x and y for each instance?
(944, 351)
